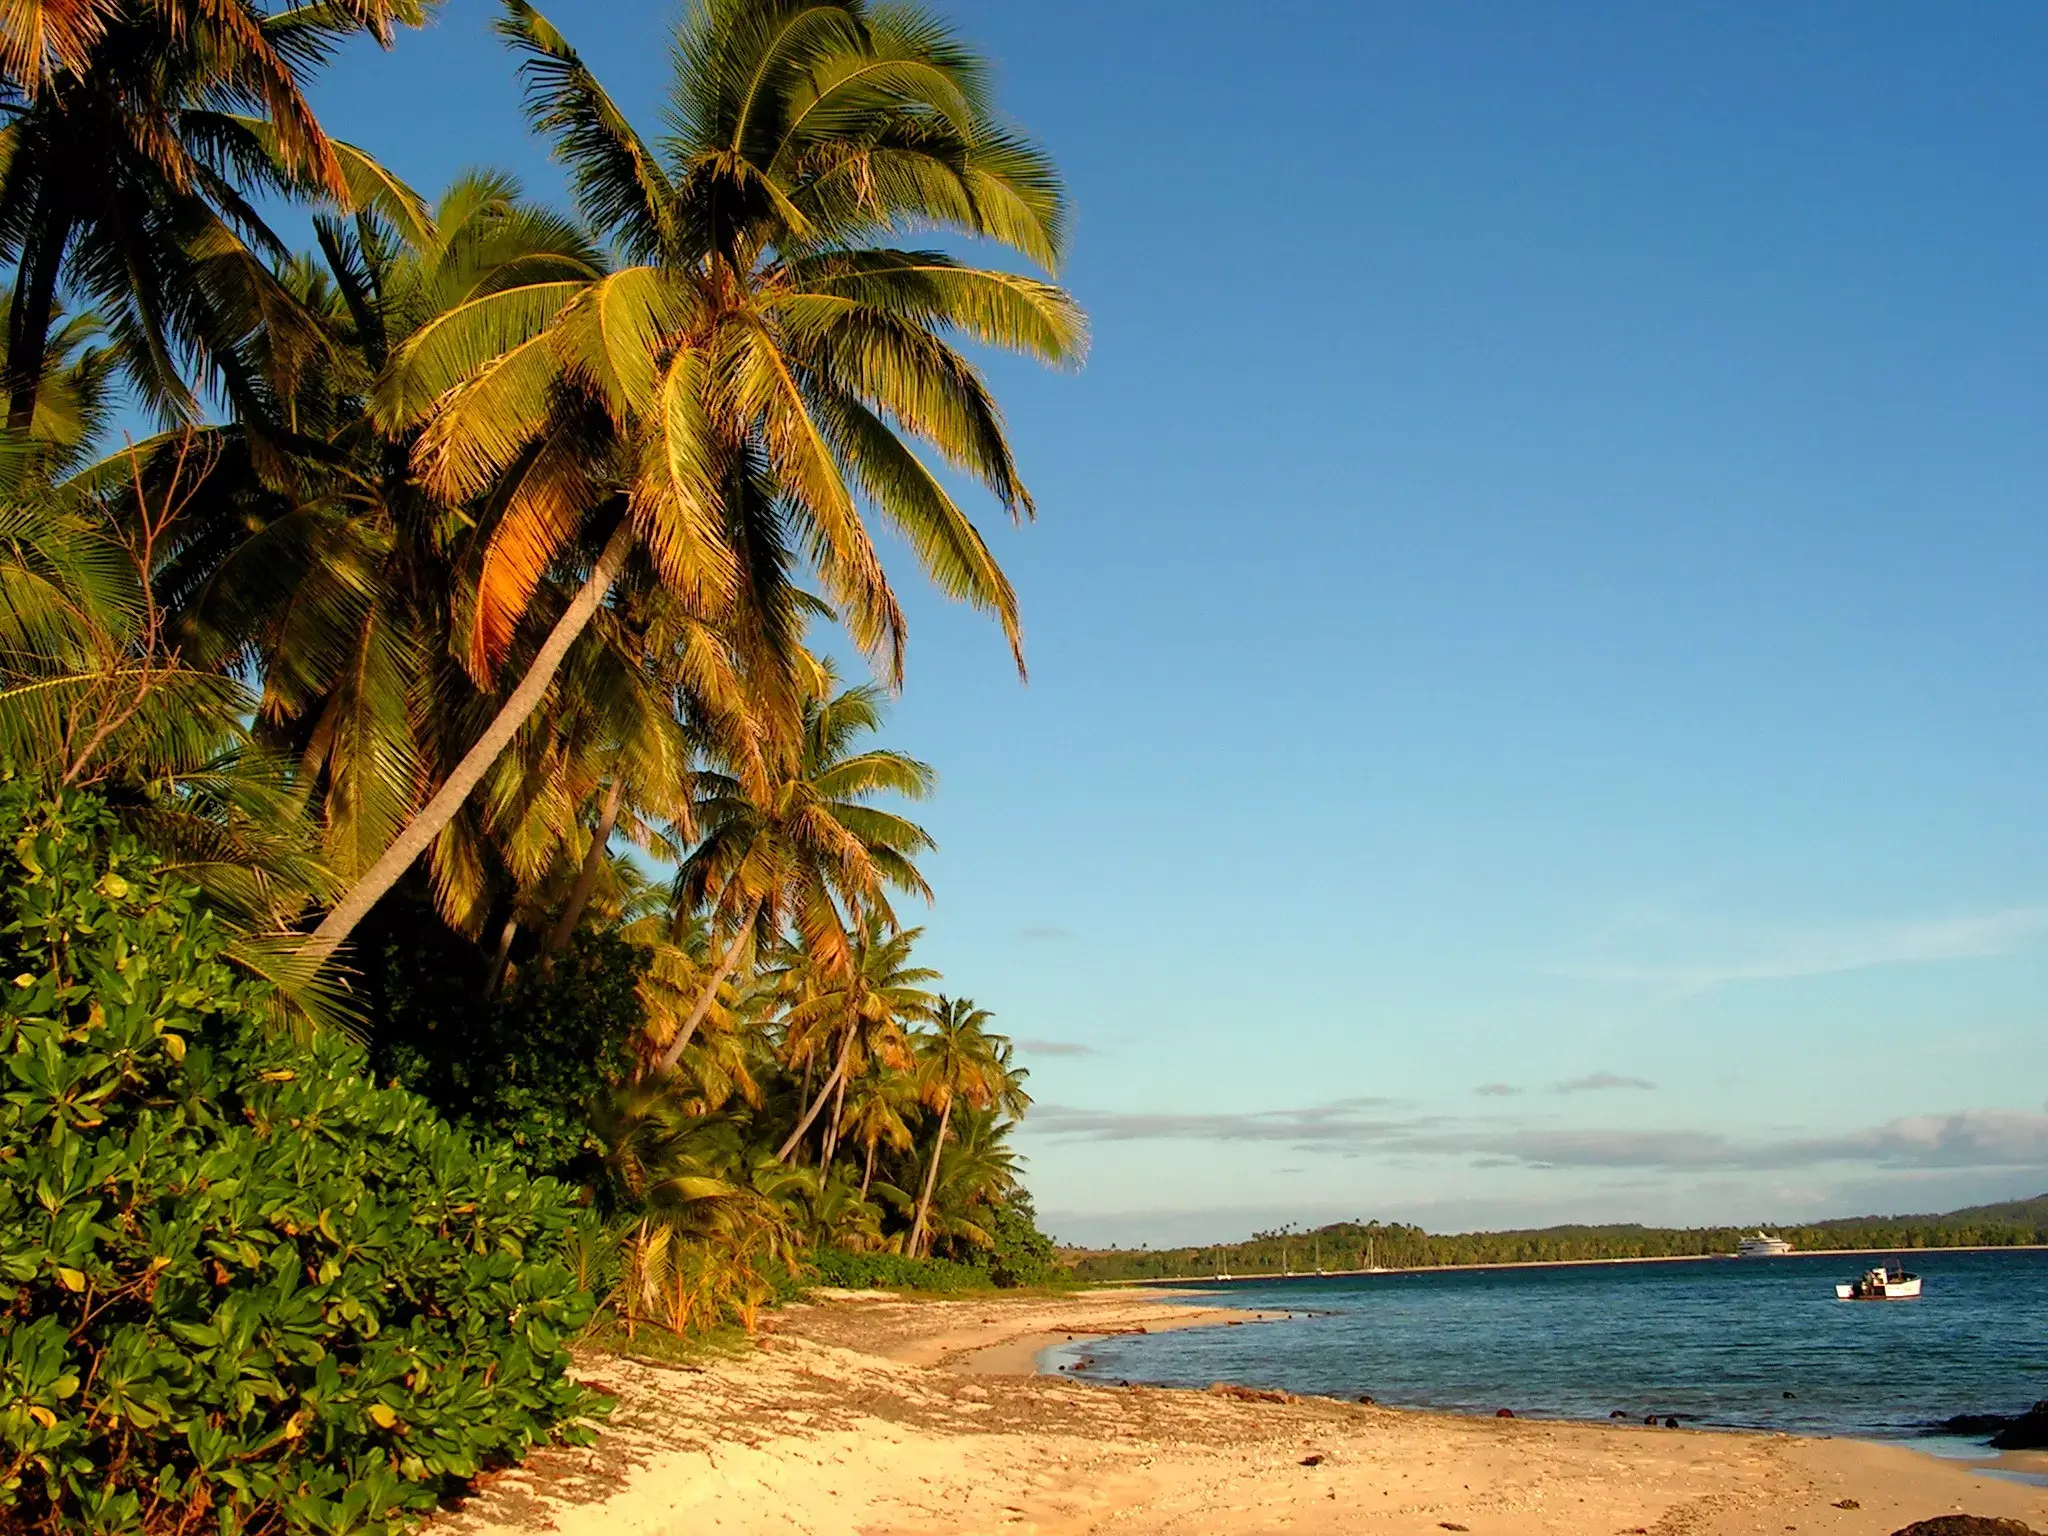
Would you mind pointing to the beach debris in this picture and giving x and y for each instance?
(1249, 1394)
(1365, 1398)
(1848, 1504)
(2028, 1432)
(1452, 1525)
(1966, 1525)
(1313, 1459)
(1503, 1413)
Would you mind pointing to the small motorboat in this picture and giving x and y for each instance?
(1884, 1283)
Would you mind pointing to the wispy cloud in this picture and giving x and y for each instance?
(1600, 1082)
(1969, 1138)
(1046, 933)
(1336, 1123)
(1832, 951)
(1055, 1048)
(1497, 1091)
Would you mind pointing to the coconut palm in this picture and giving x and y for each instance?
(878, 1107)
(857, 1011)
(811, 848)
(956, 1063)
(977, 1172)
(337, 579)
(137, 132)
(761, 366)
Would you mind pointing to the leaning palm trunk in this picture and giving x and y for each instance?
(832, 1127)
(867, 1176)
(726, 964)
(593, 861)
(931, 1179)
(420, 833)
(831, 1084)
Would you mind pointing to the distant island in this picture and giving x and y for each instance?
(1351, 1245)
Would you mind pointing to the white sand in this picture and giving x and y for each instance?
(886, 1418)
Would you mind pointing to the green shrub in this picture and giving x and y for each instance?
(242, 1289)
(893, 1271)
(1020, 1254)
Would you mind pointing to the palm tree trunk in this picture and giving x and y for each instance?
(420, 833)
(832, 1127)
(824, 1093)
(731, 958)
(868, 1174)
(593, 861)
(28, 320)
(931, 1178)
(503, 956)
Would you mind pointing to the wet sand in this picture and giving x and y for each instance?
(865, 1416)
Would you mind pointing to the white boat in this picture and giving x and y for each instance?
(1762, 1246)
(1880, 1284)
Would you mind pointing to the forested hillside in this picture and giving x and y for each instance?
(1354, 1245)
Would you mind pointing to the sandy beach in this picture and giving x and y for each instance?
(864, 1415)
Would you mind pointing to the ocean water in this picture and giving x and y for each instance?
(1751, 1344)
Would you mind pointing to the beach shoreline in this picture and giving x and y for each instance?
(887, 1417)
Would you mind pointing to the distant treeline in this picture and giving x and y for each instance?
(1355, 1245)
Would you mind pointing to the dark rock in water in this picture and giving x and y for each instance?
(1671, 1422)
(1503, 1413)
(1965, 1525)
(1618, 1413)
(2028, 1432)
(1974, 1424)
(1365, 1398)
(1651, 1420)
(1788, 1395)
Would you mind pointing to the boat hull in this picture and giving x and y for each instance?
(1891, 1290)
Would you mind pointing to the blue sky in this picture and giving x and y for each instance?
(1536, 617)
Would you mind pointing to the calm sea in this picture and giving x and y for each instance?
(1753, 1344)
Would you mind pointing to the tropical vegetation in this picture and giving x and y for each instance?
(456, 898)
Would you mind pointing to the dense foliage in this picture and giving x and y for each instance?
(1357, 1245)
(444, 675)
(523, 1065)
(247, 1289)
(895, 1271)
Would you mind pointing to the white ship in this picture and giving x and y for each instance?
(1881, 1284)
(1762, 1246)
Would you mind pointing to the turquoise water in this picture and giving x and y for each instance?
(1715, 1342)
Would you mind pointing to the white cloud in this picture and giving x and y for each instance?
(1969, 1138)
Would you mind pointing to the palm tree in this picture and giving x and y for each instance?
(956, 1061)
(877, 1109)
(858, 1010)
(330, 569)
(977, 1173)
(757, 369)
(811, 848)
(137, 131)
